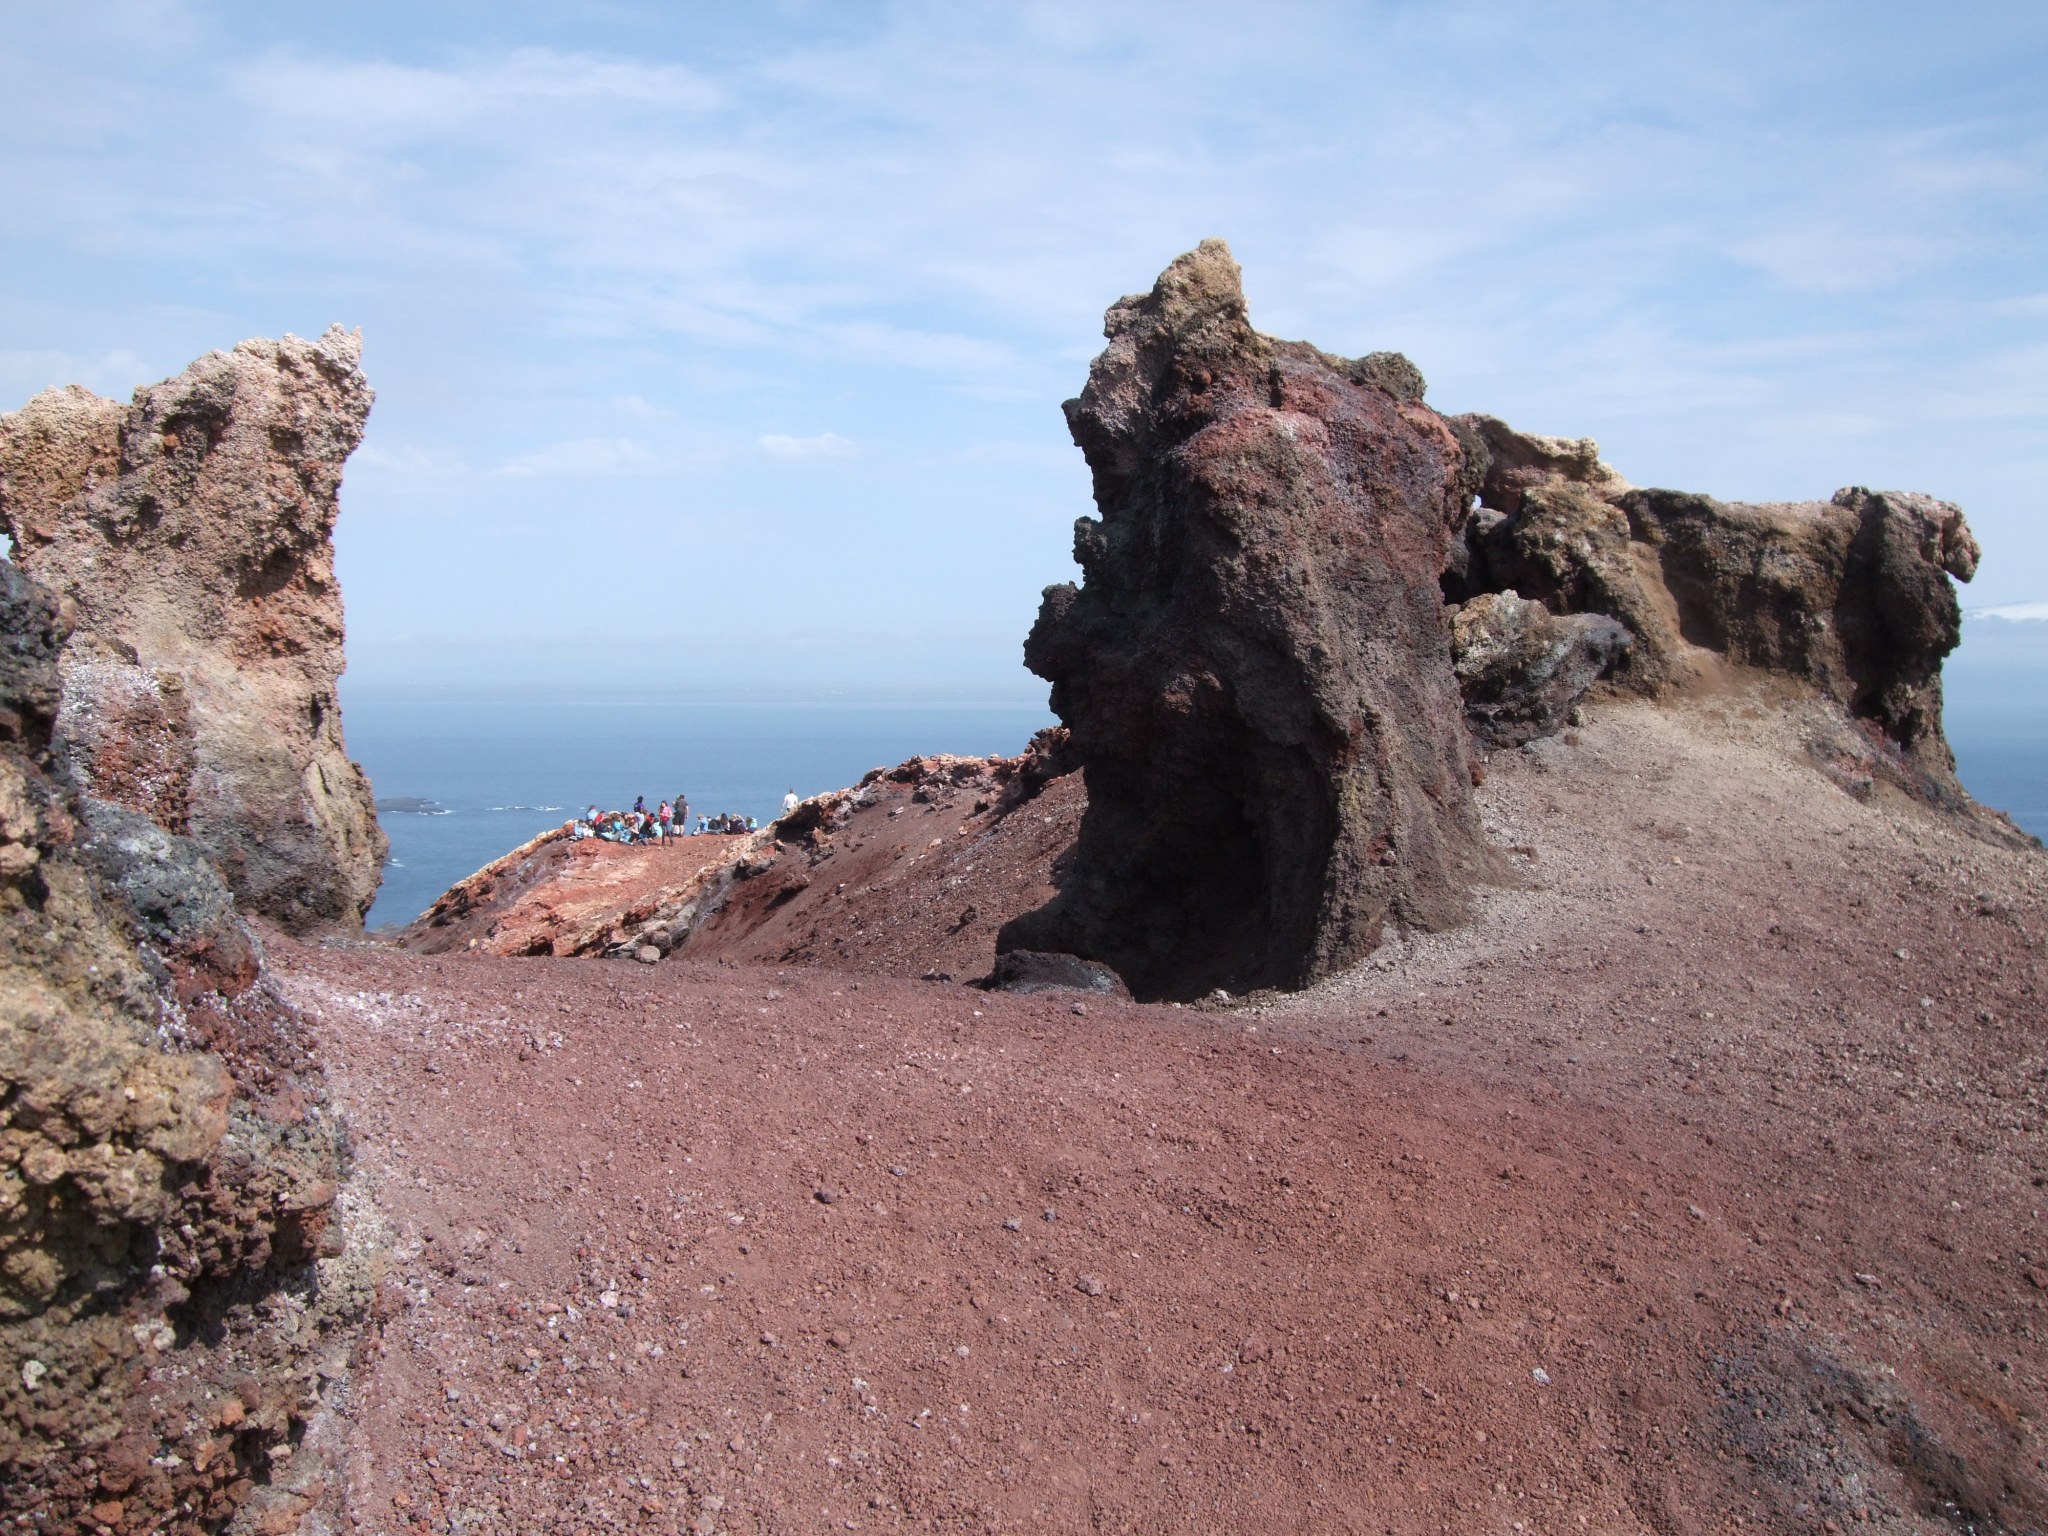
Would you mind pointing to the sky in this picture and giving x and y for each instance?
(719, 349)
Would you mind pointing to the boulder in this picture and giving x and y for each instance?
(189, 534)
(1029, 971)
(1522, 668)
(1256, 671)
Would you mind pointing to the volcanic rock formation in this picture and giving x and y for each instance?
(1257, 669)
(190, 536)
(167, 1163)
(1851, 595)
(1522, 668)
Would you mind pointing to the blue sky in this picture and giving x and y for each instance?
(721, 348)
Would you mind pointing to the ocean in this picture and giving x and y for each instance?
(499, 768)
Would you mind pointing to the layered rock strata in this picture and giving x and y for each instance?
(168, 1166)
(190, 535)
(1256, 670)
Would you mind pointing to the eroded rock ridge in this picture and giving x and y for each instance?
(1851, 595)
(1292, 596)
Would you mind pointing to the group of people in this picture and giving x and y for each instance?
(671, 818)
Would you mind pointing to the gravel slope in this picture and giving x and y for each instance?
(1657, 1200)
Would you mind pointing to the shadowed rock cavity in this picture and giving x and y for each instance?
(1256, 670)
(190, 535)
(1851, 595)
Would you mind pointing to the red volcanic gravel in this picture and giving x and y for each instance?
(1695, 1188)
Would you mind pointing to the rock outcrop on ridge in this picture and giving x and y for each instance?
(1851, 595)
(1257, 668)
(190, 536)
(168, 1164)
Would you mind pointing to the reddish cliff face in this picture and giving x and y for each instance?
(1257, 669)
(190, 536)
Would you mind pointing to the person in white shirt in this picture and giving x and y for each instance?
(789, 802)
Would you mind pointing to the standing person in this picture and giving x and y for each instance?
(666, 815)
(639, 805)
(789, 802)
(683, 813)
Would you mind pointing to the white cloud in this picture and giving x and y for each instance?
(2013, 613)
(826, 445)
(582, 456)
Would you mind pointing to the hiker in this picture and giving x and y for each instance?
(683, 814)
(666, 816)
(789, 802)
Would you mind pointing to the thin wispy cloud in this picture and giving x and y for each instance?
(826, 445)
(1764, 251)
(582, 456)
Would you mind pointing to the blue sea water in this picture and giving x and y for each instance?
(504, 768)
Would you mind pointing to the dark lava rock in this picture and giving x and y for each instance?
(1256, 671)
(1522, 668)
(1030, 970)
(177, 898)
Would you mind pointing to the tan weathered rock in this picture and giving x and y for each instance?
(189, 535)
(1851, 595)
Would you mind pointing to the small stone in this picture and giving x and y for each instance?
(1540, 1376)
(1869, 1281)
(824, 1196)
(647, 954)
(32, 1373)
(1049, 1214)
(1013, 1224)
(1088, 1285)
(1079, 1009)
(768, 1339)
(1695, 1213)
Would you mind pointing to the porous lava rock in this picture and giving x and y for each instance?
(1522, 668)
(1256, 669)
(189, 533)
(1851, 595)
(167, 1171)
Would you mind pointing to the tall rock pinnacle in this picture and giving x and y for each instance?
(189, 535)
(1257, 668)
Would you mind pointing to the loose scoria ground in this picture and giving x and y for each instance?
(1696, 1187)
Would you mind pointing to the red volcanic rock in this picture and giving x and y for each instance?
(1257, 668)
(189, 533)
